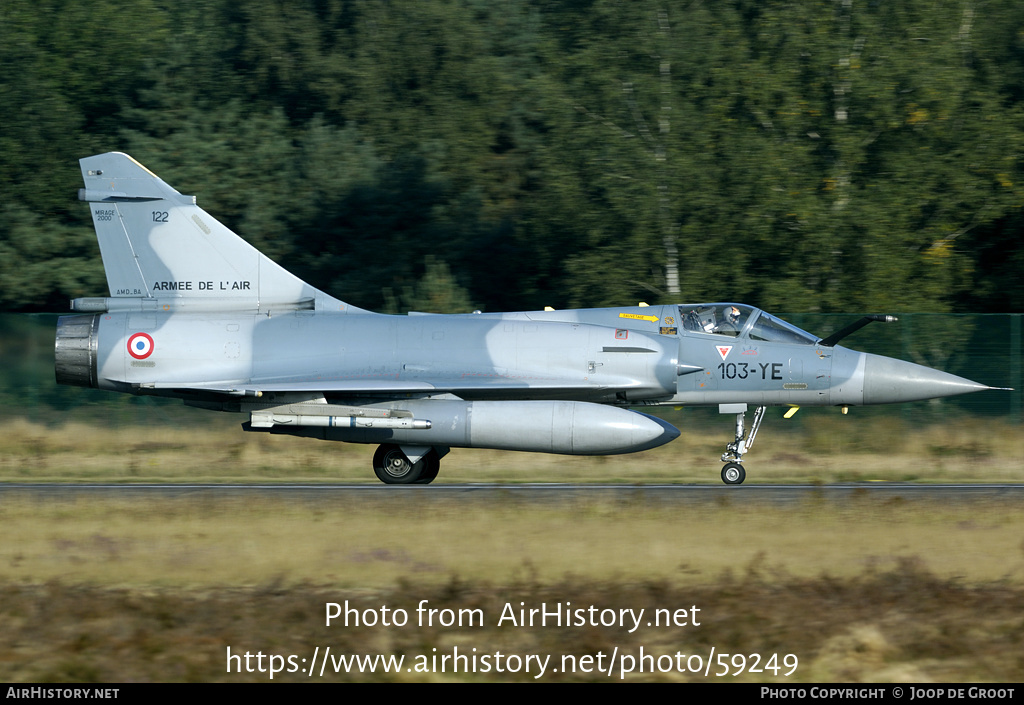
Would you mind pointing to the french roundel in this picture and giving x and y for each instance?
(140, 346)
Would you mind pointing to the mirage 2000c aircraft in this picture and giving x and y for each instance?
(197, 313)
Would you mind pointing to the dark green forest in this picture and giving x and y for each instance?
(842, 155)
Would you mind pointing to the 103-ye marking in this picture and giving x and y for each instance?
(743, 370)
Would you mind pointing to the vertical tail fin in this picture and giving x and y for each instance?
(158, 244)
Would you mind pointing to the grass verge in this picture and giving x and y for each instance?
(899, 625)
(826, 449)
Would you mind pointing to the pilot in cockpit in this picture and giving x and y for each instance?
(730, 322)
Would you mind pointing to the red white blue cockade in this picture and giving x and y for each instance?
(140, 346)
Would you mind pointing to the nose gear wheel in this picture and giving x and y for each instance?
(733, 474)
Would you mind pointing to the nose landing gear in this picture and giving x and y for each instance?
(733, 472)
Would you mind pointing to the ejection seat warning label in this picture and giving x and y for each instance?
(598, 655)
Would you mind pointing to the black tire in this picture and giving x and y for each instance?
(733, 474)
(433, 466)
(392, 467)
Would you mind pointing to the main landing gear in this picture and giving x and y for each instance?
(733, 472)
(393, 466)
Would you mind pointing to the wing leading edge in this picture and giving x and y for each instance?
(469, 387)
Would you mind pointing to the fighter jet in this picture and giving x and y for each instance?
(197, 313)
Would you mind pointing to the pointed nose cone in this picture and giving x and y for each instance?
(889, 381)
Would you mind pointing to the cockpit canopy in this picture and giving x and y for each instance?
(741, 321)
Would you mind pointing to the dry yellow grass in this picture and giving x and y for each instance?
(827, 449)
(196, 541)
(157, 590)
(902, 625)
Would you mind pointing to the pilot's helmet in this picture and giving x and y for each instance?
(732, 314)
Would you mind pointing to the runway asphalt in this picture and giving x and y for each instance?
(538, 491)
